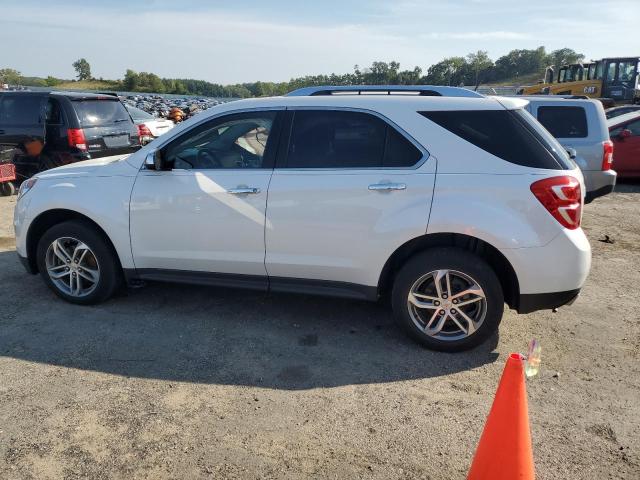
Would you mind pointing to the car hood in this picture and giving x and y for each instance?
(100, 167)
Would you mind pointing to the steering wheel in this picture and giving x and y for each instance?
(208, 159)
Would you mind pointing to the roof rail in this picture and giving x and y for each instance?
(423, 90)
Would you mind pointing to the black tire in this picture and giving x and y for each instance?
(457, 260)
(109, 265)
(7, 189)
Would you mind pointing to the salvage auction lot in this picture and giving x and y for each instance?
(174, 381)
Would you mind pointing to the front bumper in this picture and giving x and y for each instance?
(27, 265)
(532, 302)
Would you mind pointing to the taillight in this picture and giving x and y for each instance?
(607, 156)
(144, 131)
(75, 137)
(562, 197)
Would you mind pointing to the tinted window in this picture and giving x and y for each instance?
(399, 152)
(235, 141)
(507, 134)
(138, 114)
(341, 139)
(54, 115)
(20, 109)
(627, 71)
(611, 72)
(564, 122)
(634, 127)
(94, 113)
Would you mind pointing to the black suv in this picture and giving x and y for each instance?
(42, 130)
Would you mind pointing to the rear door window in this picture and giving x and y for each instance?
(20, 109)
(564, 122)
(345, 139)
(634, 128)
(96, 113)
(507, 134)
(54, 113)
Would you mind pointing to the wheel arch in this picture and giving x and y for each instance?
(47, 219)
(501, 266)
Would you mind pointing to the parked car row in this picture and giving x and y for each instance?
(149, 127)
(448, 203)
(625, 135)
(43, 130)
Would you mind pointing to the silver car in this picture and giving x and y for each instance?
(580, 125)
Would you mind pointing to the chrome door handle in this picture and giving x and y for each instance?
(388, 186)
(243, 190)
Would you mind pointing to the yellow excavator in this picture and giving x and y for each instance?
(612, 79)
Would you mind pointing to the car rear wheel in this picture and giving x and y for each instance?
(448, 299)
(7, 189)
(78, 263)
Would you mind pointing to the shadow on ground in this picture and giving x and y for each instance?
(218, 336)
(627, 186)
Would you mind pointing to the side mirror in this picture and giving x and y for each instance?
(571, 152)
(626, 133)
(153, 161)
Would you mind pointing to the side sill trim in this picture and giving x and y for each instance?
(256, 282)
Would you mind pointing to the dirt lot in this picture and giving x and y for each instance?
(188, 382)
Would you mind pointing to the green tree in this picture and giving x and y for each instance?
(10, 76)
(479, 66)
(446, 72)
(563, 56)
(130, 81)
(51, 81)
(83, 69)
(520, 62)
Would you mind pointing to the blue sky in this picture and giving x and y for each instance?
(248, 40)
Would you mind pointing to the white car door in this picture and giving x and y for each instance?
(348, 189)
(205, 212)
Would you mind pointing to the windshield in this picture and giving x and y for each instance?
(94, 113)
(138, 114)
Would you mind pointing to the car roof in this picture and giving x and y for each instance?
(74, 95)
(621, 107)
(374, 102)
(561, 100)
(615, 121)
(85, 95)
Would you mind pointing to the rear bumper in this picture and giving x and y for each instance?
(550, 275)
(598, 183)
(546, 301)
(591, 196)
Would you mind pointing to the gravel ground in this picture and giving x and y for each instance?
(187, 382)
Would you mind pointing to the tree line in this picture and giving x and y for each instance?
(474, 69)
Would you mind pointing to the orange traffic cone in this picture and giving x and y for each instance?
(504, 451)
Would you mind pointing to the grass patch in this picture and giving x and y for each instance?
(90, 85)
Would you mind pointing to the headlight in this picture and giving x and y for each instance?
(26, 186)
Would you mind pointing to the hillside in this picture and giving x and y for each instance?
(90, 85)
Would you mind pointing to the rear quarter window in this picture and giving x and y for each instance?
(20, 109)
(95, 113)
(564, 122)
(507, 134)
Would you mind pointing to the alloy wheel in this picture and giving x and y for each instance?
(447, 305)
(72, 267)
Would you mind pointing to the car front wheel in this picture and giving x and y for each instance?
(448, 299)
(78, 263)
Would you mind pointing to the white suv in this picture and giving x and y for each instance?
(447, 202)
